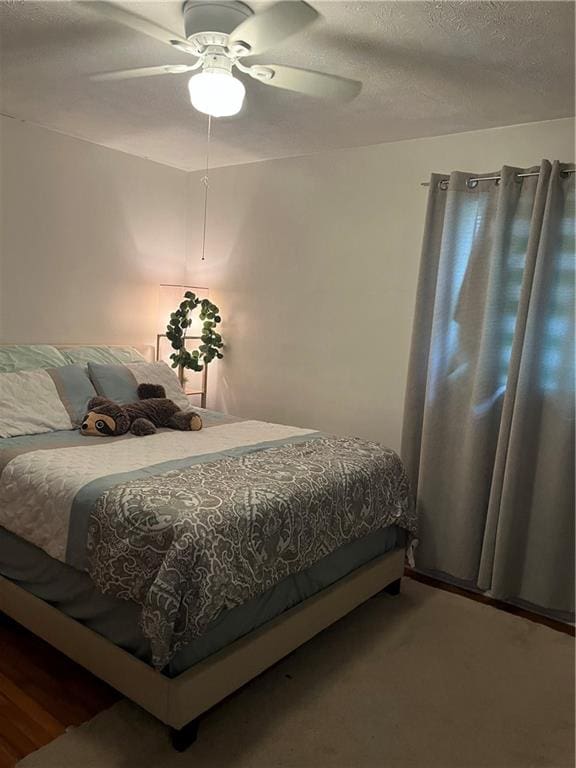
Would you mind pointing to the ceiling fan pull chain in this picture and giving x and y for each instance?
(206, 185)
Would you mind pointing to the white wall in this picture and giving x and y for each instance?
(314, 261)
(86, 235)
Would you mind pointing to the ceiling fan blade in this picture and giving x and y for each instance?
(121, 16)
(129, 74)
(307, 81)
(264, 30)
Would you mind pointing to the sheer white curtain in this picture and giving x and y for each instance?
(489, 417)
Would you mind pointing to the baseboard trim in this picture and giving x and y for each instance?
(537, 618)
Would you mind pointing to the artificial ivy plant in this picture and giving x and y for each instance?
(180, 321)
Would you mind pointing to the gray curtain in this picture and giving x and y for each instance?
(488, 436)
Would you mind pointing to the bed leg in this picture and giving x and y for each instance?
(186, 736)
(393, 588)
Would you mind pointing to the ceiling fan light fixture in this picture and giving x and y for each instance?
(218, 94)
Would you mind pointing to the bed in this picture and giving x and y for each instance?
(178, 566)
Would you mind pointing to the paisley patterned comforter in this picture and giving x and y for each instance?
(191, 524)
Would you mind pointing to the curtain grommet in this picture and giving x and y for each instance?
(472, 183)
(443, 184)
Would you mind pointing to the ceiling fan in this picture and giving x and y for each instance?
(219, 35)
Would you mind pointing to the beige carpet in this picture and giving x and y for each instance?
(426, 680)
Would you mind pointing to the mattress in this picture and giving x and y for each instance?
(175, 544)
(74, 593)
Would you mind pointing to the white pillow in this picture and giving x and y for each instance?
(161, 373)
(30, 404)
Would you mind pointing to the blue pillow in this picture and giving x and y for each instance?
(120, 382)
(102, 354)
(74, 389)
(29, 357)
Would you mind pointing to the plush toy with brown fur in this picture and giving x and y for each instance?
(153, 410)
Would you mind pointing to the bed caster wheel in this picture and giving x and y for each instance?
(393, 588)
(184, 737)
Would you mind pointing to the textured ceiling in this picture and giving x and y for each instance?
(428, 68)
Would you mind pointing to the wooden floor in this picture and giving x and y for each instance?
(42, 692)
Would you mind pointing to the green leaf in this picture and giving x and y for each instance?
(178, 325)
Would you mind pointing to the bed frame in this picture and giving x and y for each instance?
(179, 702)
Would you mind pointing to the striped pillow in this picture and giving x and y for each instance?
(43, 400)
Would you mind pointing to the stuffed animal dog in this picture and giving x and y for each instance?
(153, 410)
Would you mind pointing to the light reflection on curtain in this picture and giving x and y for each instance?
(489, 417)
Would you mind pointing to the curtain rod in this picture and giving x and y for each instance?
(474, 180)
